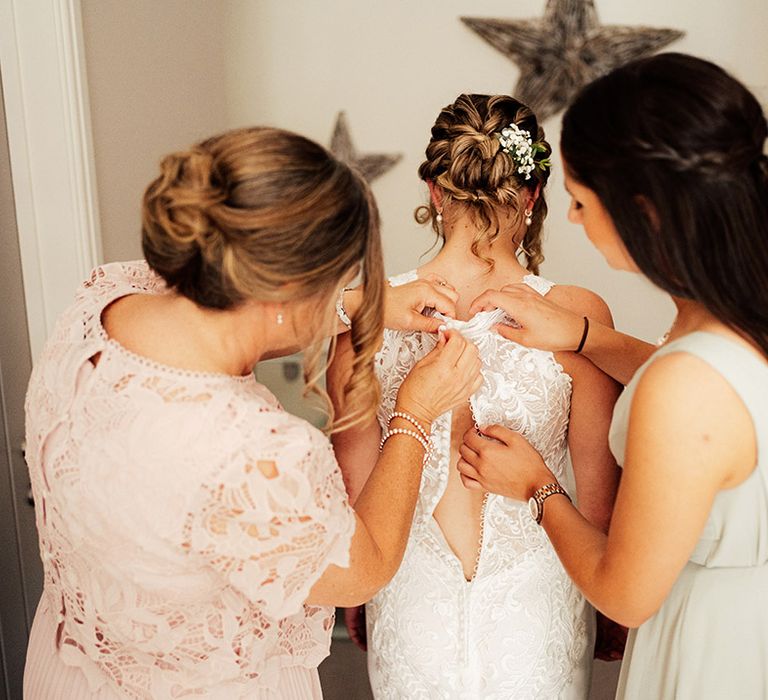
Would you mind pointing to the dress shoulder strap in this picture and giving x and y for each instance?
(538, 284)
(403, 278)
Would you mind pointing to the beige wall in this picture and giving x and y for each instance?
(393, 65)
(156, 75)
(163, 74)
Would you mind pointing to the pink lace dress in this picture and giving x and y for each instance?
(183, 518)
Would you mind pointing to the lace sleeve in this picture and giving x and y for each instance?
(275, 516)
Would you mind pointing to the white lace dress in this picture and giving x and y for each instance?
(183, 518)
(520, 629)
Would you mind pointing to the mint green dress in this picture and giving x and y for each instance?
(709, 640)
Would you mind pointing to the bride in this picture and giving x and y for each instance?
(481, 606)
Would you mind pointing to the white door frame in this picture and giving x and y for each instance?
(49, 137)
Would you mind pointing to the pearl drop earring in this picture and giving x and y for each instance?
(280, 318)
(528, 219)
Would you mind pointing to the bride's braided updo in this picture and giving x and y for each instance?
(268, 215)
(466, 159)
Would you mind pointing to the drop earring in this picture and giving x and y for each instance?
(528, 215)
(439, 220)
(280, 318)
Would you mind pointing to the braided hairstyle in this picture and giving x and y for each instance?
(464, 158)
(268, 215)
(680, 138)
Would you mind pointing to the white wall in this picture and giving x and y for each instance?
(162, 75)
(156, 75)
(393, 65)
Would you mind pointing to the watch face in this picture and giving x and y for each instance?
(533, 506)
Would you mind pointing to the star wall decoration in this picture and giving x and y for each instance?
(370, 165)
(566, 49)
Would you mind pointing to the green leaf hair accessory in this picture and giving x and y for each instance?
(518, 143)
(543, 163)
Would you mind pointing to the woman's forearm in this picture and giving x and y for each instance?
(388, 499)
(617, 354)
(581, 548)
(404, 304)
(384, 511)
(558, 326)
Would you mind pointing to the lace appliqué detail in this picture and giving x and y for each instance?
(520, 628)
(183, 516)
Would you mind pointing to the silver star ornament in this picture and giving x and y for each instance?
(371, 165)
(566, 49)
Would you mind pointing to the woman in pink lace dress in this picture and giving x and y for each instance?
(194, 535)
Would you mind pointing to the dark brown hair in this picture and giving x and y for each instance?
(464, 158)
(268, 215)
(682, 137)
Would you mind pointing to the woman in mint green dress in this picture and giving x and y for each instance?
(664, 160)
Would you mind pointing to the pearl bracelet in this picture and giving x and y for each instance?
(404, 431)
(412, 421)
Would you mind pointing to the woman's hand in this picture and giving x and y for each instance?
(501, 461)
(404, 304)
(542, 323)
(559, 326)
(442, 380)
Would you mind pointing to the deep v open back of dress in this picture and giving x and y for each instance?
(458, 515)
(518, 628)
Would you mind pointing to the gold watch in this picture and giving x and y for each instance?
(536, 502)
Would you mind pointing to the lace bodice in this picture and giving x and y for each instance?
(523, 388)
(519, 628)
(183, 517)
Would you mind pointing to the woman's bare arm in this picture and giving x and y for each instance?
(385, 504)
(552, 323)
(357, 448)
(383, 515)
(593, 397)
(617, 354)
(689, 437)
(404, 303)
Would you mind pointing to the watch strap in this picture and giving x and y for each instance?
(543, 493)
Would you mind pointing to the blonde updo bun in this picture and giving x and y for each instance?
(181, 239)
(268, 215)
(464, 158)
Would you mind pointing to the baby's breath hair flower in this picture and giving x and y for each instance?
(518, 143)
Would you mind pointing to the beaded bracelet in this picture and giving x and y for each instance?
(404, 431)
(411, 420)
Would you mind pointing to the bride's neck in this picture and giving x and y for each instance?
(461, 263)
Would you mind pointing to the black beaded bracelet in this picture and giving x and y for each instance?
(583, 336)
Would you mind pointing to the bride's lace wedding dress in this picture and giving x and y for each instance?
(520, 628)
